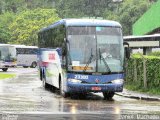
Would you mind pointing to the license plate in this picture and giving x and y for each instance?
(96, 88)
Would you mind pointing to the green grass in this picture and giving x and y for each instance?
(151, 56)
(4, 76)
(151, 91)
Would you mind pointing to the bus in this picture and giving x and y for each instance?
(7, 56)
(87, 56)
(26, 56)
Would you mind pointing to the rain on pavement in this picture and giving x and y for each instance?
(25, 94)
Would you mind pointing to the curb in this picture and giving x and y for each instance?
(139, 97)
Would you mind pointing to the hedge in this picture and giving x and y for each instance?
(135, 72)
(156, 53)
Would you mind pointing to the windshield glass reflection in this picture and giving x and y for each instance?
(88, 45)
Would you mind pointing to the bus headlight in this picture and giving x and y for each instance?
(118, 81)
(74, 81)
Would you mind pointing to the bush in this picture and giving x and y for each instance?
(155, 53)
(135, 73)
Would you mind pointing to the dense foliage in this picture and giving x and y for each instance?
(135, 73)
(126, 12)
(156, 53)
(15, 27)
(27, 24)
(5, 21)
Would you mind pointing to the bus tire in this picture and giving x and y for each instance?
(40, 74)
(108, 95)
(34, 64)
(25, 66)
(4, 69)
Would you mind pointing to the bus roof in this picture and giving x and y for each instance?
(18, 46)
(84, 22)
(90, 22)
(24, 46)
(5, 45)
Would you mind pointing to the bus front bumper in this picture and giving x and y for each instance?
(95, 87)
(10, 64)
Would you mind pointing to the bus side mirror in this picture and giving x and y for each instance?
(126, 50)
(64, 51)
(65, 47)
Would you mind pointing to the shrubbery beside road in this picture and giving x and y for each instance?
(143, 74)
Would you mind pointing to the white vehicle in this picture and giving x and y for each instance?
(50, 63)
(7, 56)
(26, 56)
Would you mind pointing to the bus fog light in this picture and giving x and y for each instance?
(74, 81)
(118, 81)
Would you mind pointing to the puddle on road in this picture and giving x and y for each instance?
(26, 94)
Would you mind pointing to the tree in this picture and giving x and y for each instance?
(81, 8)
(5, 21)
(14, 5)
(1, 6)
(20, 5)
(33, 4)
(29, 22)
(129, 15)
(29, 19)
(128, 12)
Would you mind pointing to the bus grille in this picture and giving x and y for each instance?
(84, 82)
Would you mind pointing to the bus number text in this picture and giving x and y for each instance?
(81, 77)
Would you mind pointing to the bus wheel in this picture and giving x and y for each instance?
(4, 69)
(34, 64)
(25, 66)
(108, 95)
(40, 74)
(64, 94)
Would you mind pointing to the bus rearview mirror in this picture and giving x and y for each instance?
(127, 50)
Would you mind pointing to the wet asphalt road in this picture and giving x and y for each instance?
(26, 96)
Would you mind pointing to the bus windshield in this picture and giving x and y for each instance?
(8, 53)
(95, 49)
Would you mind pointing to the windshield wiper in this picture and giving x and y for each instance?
(104, 61)
(89, 61)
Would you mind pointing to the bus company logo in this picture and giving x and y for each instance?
(51, 56)
(97, 81)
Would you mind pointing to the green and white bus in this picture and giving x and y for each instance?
(26, 55)
(7, 56)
